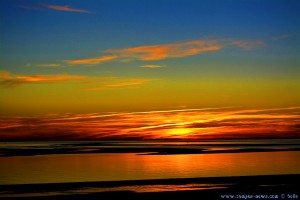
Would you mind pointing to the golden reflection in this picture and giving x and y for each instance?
(106, 167)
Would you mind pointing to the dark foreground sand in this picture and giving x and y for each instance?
(244, 187)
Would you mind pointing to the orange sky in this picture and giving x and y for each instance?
(210, 123)
(135, 63)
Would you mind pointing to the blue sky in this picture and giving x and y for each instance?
(256, 41)
(49, 35)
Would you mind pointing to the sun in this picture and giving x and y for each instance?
(179, 132)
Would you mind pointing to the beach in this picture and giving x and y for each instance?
(227, 169)
(241, 187)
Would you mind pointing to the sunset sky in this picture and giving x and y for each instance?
(160, 69)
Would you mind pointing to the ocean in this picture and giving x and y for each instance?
(84, 161)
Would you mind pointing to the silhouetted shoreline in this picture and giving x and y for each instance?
(208, 187)
(139, 150)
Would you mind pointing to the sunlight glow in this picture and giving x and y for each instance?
(183, 132)
(165, 124)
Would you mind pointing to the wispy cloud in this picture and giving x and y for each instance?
(5, 75)
(64, 8)
(119, 84)
(245, 44)
(127, 83)
(91, 61)
(281, 37)
(9, 80)
(164, 51)
(151, 66)
(49, 65)
(206, 123)
(54, 7)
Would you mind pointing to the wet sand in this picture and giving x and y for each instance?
(183, 188)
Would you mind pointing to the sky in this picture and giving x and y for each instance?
(119, 67)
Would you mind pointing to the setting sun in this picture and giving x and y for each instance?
(179, 132)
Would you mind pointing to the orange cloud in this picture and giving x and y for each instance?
(64, 8)
(48, 78)
(5, 75)
(120, 84)
(127, 83)
(163, 51)
(91, 61)
(209, 123)
(151, 66)
(48, 65)
(9, 80)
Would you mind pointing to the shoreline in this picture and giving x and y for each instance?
(211, 187)
(141, 151)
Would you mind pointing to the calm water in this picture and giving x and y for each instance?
(132, 166)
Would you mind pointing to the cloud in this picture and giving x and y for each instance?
(246, 44)
(9, 80)
(49, 65)
(206, 123)
(151, 66)
(165, 51)
(64, 8)
(5, 75)
(90, 61)
(281, 37)
(127, 83)
(119, 85)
